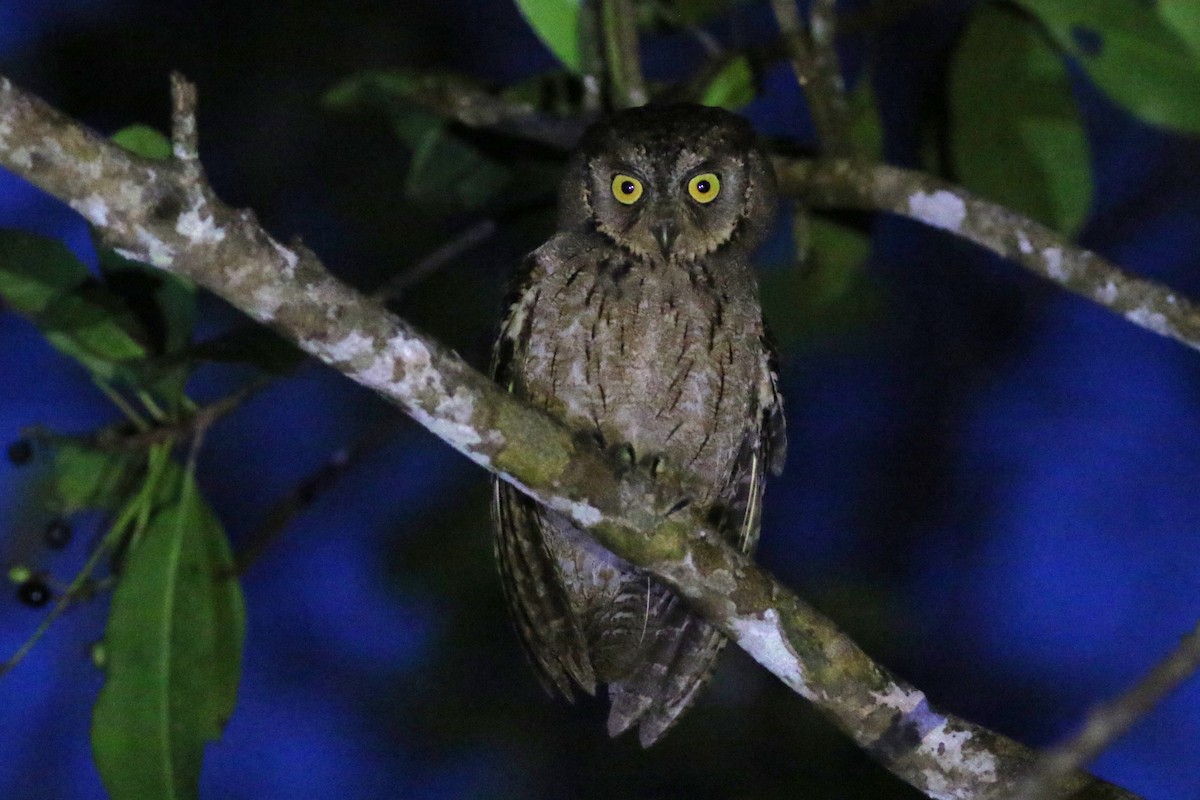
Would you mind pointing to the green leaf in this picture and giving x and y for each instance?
(144, 141)
(85, 477)
(446, 173)
(42, 280)
(173, 648)
(829, 292)
(732, 87)
(1132, 54)
(91, 325)
(557, 24)
(164, 304)
(34, 270)
(866, 128)
(250, 344)
(1016, 136)
(1183, 17)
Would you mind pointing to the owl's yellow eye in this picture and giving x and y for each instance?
(626, 189)
(704, 187)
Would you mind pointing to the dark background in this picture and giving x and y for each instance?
(991, 483)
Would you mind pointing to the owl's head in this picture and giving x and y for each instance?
(675, 182)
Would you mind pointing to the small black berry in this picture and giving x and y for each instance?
(34, 593)
(57, 534)
(20, 452)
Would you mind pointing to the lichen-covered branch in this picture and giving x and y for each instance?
(165, 214)
(845, 184)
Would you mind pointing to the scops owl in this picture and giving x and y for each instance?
(639, 323)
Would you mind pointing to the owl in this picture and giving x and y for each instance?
(638, 324)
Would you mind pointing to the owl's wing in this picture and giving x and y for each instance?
(679, 660)
(537, 600)
(549, 631)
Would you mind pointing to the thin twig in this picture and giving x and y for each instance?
(627, 87)
(463, 102)
(468, 240)
(184, 138)
(281, 514)
(706, 40)
(1112, 720)
(120, 438)
(591, 56)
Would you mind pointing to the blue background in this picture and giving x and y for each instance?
(991, 483)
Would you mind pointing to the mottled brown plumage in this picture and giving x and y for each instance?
(639, 322)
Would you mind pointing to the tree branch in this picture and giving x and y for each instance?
(1110, 721)
(621, 52)
(462, 101)
(814, 61)
(153, 212)
(876, 187)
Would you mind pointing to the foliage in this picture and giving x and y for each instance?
(1011, 115)
(171, 652)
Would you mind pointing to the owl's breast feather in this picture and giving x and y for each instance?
(645, 356)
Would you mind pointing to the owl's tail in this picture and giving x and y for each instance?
(673, 661)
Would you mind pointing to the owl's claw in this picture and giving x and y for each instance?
(625, 456)
(680, 505)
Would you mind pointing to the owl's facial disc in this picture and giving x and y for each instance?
(675, 209)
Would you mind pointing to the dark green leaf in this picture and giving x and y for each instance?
(830, 291)
(446, 174)
(1132, 54)
(91, 325)
(694, 12)
(34, 270)
(173, 647)
(732, 87)
(1183, 17)
(1016, 136)
(41, 279)
(557, 24)
(163, 303)
(866, 129)
(255, 345)
(144, 141)
(89, 478)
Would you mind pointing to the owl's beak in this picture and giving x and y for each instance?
(665, 234)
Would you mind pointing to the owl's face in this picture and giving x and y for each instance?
(670, 183)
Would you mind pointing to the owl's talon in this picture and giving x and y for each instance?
(625, 456)
(654, 466)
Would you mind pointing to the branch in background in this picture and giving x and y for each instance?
(1110, 721)
(463, 102)
(626, 85)
(468, 240)
(153, 212)
(119, 437)
(281, 514)
(815, 63)
(876, 187)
